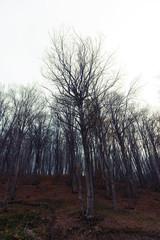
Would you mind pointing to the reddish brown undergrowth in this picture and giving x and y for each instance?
(60, 210)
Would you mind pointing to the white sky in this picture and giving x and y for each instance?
(132, 27)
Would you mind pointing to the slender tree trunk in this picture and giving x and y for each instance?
(80, 191)
(113, 195)
(5, 200)
(15, 180)
(89, 178)
(129, 181)
(73, 162)
(36, 179)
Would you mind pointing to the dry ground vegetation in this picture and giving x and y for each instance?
(51, 211)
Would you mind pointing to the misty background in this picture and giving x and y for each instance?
(130, 28)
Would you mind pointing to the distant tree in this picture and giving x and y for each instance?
(148, 126)
(122, 119)
(22, 108)
(40, 136)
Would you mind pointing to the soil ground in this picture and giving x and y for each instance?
(52, 212)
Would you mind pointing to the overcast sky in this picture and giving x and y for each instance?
(131, 27)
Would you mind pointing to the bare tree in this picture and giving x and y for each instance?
(122, 118)
(78, 70)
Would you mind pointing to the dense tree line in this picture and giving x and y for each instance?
(88, 126)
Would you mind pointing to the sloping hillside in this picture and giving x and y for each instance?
(50, 211)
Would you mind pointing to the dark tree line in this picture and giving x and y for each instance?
(87, 127)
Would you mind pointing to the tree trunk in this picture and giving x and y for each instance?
(80, 191)
(5, 200)
(89, 177)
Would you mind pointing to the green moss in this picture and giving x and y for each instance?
(46, 200)
(123, 213)
(13, 223)
(122, 230)
(53, 203)
(102, 207)
(150, 219)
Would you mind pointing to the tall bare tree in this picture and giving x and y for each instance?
(78, 70)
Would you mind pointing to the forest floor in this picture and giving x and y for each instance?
(52, 212)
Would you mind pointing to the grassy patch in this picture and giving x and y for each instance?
(122, 213)
(48, 201)
(23, 223)
(102, 208)
(128, 230)
(149, 219)
(53, 203)
(13, 225)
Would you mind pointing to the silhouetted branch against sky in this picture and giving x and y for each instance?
(131, 28)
